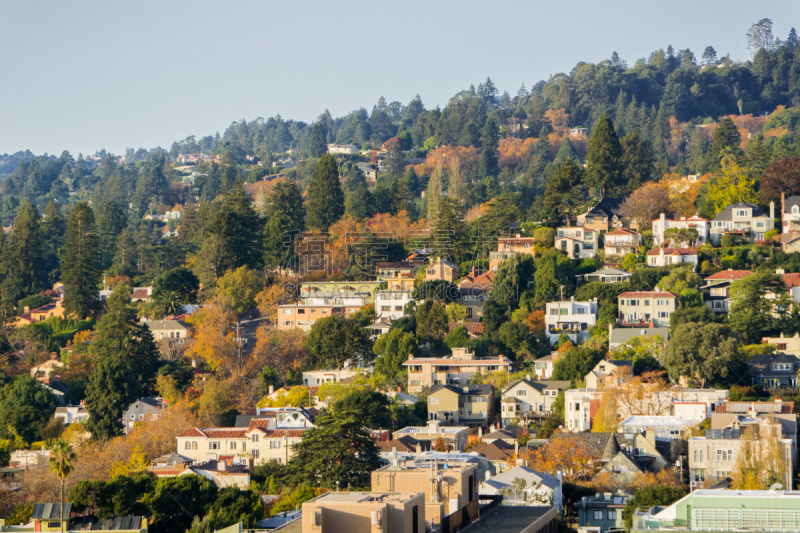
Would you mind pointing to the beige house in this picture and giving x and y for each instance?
(254, 443)
(607, 215)
(789, 345)
(373, 512)
(525, 399)
(791, 242)
(168, 329)
(577, 242)
(447, 486)
(716, 456)
(304, 316)
(647, 307)
(54, 309)
(508, 247)
(388, 269)
(44, 370)
(470, 404)
(603, 369)
(441, 269)
(743, 220)
(621, 242)
(454, 370)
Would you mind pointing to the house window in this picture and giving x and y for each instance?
(187, 446)
(621, 469)
(434, 401)
(254, 437)
(521, 392)
(722, 474)
(255, 454)
(612, 515)
(663, 314)
(244, 445)
(233, 445)
(698, 456)
(598, 515)
(724, 455)
(194, 445)
(697, 474)
(286, 311)
(287, 322)
(213, 445)
(274, 444)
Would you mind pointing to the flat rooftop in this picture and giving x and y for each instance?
(364, 497)
(426, 465)
(510, 519)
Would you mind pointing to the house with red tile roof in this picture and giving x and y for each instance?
(621, 242)
(660, 257)
(729, 275)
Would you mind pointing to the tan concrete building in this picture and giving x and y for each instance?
(647, 307)
(455, 370)
(373, 512)
(441, 269)
(447, 486)
(467, 404)
(454, 436)
(508, 247)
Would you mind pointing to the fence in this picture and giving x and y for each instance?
(470, 513)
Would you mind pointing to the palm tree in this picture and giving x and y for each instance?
(167, 303)
(60, 463)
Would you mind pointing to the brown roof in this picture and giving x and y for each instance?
(730, 274)
(406, 443)
(673, 251)
(648, 295)
(497, 450)
(473, 328)
(516, 240)
(791, 280)
(140, 293)
(622, 231)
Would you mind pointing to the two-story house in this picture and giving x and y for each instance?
(173, 330)
(622, 370)
(454, 370)
(441, 269)
(717, 289)
(776, 370)
(570, 318)
(662, 237)
(790, 345)
(746, 221)
(647, 307)
(390, 303)
(508, 247)
(621, 242)
(525, 399)
(790, 214)
(142, 410)
(467, 404)
(602, 512)
(607, 215)
(577, 242)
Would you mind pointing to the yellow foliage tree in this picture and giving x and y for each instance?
(297, 396)
(213, 339)
(761, 459)
(135, 463)
(731, 185)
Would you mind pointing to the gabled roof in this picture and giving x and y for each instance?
(607, 207)
(540, 385)
(648, 294)
(469, 390)
(763, 362)
(791, 280)
(791, 202)
(792, 236)
(497, 450)
(608, 271)
(729, 275)
(622, 231)
(474, 329)
(727, 213)
(406, 443)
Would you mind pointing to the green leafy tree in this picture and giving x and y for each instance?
(368, 406)
(179, 280)
(111, 220)
(392, 350)
(648, 497)
(22, 260)
(754, 302)
(637, 161)
(324, 199)
(25, 408)
(335, 339)
(701, 353)
(287, 198)
(563, 192)
(576, 363)
(239, 288)
(431, 323)
(177, 500)
(80, 264)
(604, 158)
(338, 449)
(233, 505)
(54, 228)
(119, 496)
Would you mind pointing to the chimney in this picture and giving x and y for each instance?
(480, 432)
(783, 206)
(271, 389)
(772, 210)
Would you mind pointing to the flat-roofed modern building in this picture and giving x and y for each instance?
(375, 512)
(720, 510)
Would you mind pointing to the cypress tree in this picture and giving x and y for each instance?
(80, 261)
(325, 199)
(317, 146)
(604, 157)
(490, 139)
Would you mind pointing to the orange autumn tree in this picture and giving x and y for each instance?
(535, 322)
(561, 454)
(213, 338)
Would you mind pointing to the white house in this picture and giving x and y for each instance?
(539, 488)
(662, 224)
(390, 304)
(577, 242)
(790, 214)
(571, 318)
(315, 378)
(72, 414)
(526, 398)
(348, 149)
(671, 256)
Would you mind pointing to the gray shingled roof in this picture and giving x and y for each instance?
(727, 213)
(791, 202)
(50, 511)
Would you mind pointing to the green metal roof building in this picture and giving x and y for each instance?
(713, 511)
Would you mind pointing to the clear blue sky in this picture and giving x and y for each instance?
(87, 75)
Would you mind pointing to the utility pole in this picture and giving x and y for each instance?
(239, 340)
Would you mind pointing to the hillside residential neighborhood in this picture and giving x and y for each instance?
(573, 308)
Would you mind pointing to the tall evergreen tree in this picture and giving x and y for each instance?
(80, 265)
(238, 228)
(286, 197)
(434, 193)
(23, 256)
(637, 161)
(490, 140)
(111, 220)
(562, 193)
(317, 145)
(54, 227)
(324, 199)
(726, 139)
(604, 157)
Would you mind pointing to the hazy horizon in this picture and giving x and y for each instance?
(107, 75)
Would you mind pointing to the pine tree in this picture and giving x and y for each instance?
(726, 139)
(238, 227)
(317, 146)
(80, 264)
(604, 157)
(324, 199)
(434, 192)
(490, 139)
(110, 222)
(23, 255)
(457, 187)
(54, 227)
(637, 161)
(286, 197)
